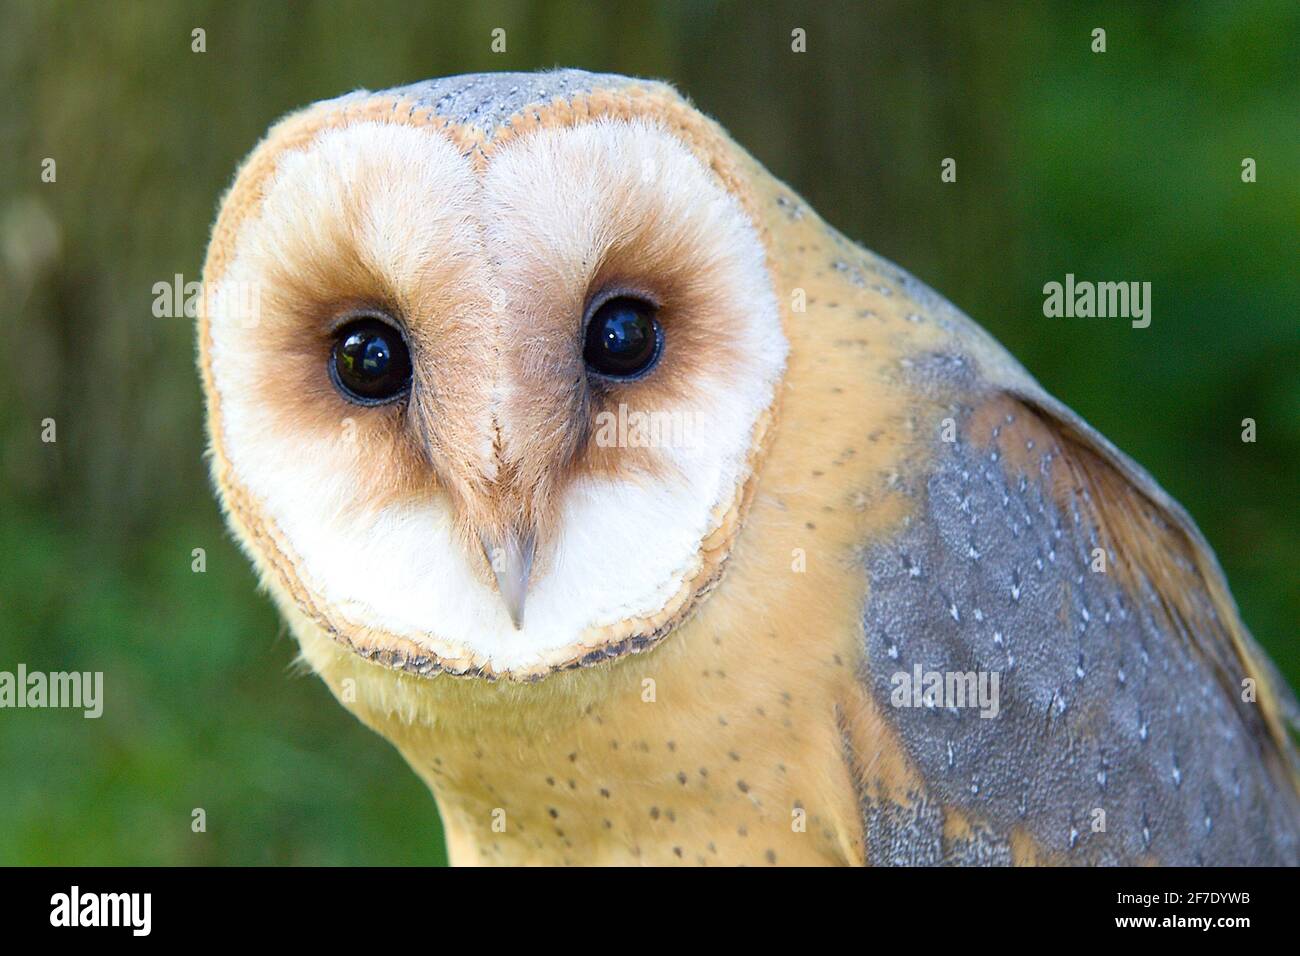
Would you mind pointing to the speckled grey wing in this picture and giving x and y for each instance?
(1120, 690)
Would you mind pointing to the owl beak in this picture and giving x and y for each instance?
(511, 560)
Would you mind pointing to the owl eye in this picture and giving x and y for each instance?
(624, 338)
(370, 363)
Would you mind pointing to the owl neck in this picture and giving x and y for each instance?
(685, 754)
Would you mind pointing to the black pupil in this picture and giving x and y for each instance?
(623, 338)
(371, 361)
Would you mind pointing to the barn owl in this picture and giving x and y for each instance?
(653, 521)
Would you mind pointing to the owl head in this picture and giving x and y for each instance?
(489, 362)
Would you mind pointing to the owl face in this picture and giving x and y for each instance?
(497, 402)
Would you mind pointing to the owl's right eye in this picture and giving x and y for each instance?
(370, 363)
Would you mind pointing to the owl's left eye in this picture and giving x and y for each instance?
(623, 338)
(370, 363)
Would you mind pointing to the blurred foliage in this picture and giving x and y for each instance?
(1123, 165)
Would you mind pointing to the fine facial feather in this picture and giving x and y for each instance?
(490, 277)
(763, 737)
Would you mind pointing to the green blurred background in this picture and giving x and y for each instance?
(1121, 166)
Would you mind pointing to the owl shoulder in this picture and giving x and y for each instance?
(1114, 707)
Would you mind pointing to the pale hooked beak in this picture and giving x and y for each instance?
(511, 560)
